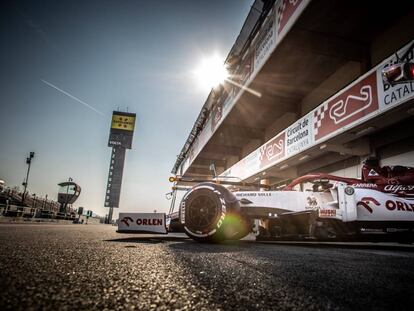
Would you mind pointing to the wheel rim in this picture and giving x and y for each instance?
(202, 213)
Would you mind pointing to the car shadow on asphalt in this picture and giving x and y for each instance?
(184, 244)
(149, 240)
(191, 246)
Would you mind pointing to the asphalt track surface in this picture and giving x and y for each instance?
(91, 267)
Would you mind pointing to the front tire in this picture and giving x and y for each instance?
(210, 213)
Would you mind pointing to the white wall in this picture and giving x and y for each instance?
(350, 172)
(405, 159)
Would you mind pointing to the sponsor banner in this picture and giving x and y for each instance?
(366, 98)
(122, 129)
(299, 135)
(216, 115)
(249, 165)
(185, 165)
(397, 190)
(244, 168)
(391, 96)
(265, 42)
(142, 222)
(273, 150)
(246, 69)
(205, 134)
(227, 102)
(191, 153)
(327, 213)
(123, 121)
(348, 107)
(270, 153)
(287, 12)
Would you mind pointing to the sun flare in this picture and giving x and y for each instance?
(211, 72)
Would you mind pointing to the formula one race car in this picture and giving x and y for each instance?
(381, 202)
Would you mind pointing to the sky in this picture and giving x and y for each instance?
(109, 55)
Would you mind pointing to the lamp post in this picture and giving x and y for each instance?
(34, 205)
(66, 197)
(25, 183)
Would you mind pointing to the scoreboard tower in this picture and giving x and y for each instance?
(120, 139)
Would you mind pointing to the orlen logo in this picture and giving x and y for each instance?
(399, 206)
(149, 222)
(367, 202)
(127, 220)
(142, 221)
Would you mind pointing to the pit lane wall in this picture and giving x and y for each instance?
(277, 24)
(364, 99)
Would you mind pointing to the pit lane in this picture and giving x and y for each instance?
(46, 266)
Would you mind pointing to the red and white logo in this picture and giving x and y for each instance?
(127, 220)
(327, 213)
(348, 107)
(273, 150)
(285, 11)
(372, 173)
(342, 110)
(367, 202)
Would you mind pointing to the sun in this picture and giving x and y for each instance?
(211, 72)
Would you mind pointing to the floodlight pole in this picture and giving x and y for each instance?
(25, 183)
(110, 214)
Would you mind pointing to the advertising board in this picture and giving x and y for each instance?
(142, 222)
(358, 102)
(352, 104)
(122, 129)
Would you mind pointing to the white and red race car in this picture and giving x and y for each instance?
(381, 202)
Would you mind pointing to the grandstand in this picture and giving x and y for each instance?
(33, 207)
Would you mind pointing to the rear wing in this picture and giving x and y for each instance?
(142, 223)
